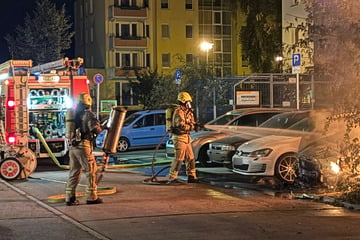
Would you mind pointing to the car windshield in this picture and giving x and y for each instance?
(131, 118)
(225, 118)
(284, 120)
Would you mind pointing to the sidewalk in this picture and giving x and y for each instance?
(139, 211)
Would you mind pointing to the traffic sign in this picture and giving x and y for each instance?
(98, 78)
(178, 76)
(296, 59)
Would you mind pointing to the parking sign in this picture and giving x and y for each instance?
(178, 76)
(296, 59)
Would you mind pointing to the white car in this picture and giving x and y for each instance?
(276, 155)
(268, 156)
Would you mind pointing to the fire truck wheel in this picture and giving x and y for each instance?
(123, 144)
(10, 168)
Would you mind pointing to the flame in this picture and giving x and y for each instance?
(334, 167)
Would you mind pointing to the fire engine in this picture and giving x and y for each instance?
(36, 98)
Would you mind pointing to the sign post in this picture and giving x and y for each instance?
(296, 68)
(98, 78)
(178, 78)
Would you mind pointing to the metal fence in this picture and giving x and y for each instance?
(275, 91)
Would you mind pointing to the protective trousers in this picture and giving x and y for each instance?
(82, 159)
(183, 152)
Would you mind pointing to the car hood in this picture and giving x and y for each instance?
(270, 141)
(202, 133)
(231, 140)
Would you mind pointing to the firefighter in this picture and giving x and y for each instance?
(182, 123)
(82, 126)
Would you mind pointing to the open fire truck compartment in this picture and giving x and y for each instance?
(38, 97)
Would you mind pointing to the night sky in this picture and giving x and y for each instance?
(13, 13)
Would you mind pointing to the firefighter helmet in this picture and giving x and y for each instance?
(184, 97)
(84, 98)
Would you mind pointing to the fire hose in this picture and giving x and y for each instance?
(153, 179)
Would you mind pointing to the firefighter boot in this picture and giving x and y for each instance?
(192, 179)
(72, 201)
(96, 201)
(174, 171)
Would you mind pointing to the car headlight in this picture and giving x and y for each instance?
(227, 148)
(261, 152)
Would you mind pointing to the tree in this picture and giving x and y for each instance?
(153, 90)
(261, 37)
(45, 35)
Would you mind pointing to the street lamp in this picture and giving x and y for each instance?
(279, 59)
(206, 46)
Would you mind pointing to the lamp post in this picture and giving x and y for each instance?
(279, 59)
(206, 46)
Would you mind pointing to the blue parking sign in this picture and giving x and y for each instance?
(178, 76)
(296, 59)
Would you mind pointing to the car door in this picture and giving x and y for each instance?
(142, 131)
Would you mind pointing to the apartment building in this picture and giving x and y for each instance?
(115, 37)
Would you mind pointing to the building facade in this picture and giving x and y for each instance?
(115, 37)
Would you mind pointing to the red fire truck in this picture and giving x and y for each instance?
(38, 98)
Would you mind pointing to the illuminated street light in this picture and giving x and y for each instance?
(279, 59)
(206, 46)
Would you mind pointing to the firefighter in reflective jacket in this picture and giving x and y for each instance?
(81, 127)
(182, 123)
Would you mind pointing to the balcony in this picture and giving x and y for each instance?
(128, 42)
(116, 12)
(124, 72)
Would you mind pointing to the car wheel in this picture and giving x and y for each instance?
(123, 145)
(286, 168)
(203, 158)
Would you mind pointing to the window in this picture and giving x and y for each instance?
(117, 59)
(217, 18)
(217, 46)
(166, 59)
(117, 30)
(125, 30)
(125, 60)
(148, 62)
(125, 3)
(146, 3)
(148, 120)
(227, 45)
(134, 30)
(164, 3)
(135, 60)
(188, 4)
(147, 31)
(189, 31)
(160, 119)
(189, 59)
(165, 31)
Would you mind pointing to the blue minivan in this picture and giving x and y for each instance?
(141, 129)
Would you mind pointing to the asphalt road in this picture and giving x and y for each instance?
(149, 210)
